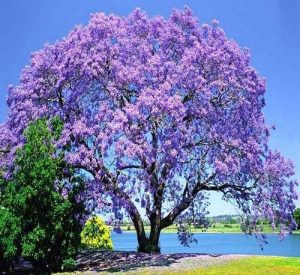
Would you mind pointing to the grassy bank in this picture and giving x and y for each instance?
(217, 228)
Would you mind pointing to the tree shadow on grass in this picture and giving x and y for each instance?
(114, 261)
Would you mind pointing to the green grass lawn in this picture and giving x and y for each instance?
(252, 265)
(255, 265)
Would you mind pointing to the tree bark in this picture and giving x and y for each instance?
(150, 244)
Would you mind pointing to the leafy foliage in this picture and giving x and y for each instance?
(297, 217)
(96, 234)
(37, 221)
(10, 235)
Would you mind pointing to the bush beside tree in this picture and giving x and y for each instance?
(39, 209)
(96, 234)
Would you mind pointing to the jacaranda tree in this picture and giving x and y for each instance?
(159, 113)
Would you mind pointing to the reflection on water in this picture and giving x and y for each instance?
(216, 243)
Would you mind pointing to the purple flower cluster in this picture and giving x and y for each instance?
(158, 112)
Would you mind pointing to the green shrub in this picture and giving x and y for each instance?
(69, 264)
(297, 217)
(228, 225)
(10, 234)
(36, 221)
(96, 234)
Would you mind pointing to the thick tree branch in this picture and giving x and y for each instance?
(186, 201)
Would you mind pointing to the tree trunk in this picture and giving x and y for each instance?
(150, 244)
(145, 244)
(154, 240)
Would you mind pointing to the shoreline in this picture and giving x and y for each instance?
(206, 232)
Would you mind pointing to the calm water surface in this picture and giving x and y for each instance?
(217, 244)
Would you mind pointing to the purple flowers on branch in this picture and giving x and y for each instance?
(159, 112)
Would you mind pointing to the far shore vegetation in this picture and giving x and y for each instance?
(218, 224)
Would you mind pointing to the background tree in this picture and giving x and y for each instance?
(297, 217)
(159, 113)
(40, 209)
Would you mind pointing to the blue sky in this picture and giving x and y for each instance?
(270, 28)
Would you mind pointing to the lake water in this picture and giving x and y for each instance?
(215, 243)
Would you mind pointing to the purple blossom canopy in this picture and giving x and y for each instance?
(159, 112)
